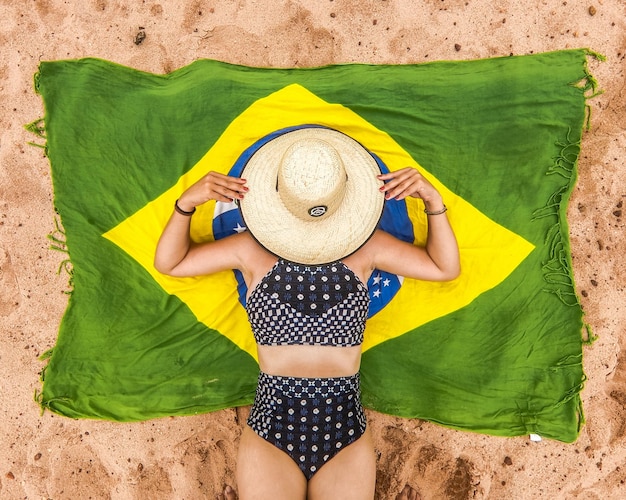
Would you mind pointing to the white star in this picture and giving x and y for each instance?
(377, 279)
(239, 228)
(376, 293)
(386, 282)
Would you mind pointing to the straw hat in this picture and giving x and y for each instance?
(314, 196)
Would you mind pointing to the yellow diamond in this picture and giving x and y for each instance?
(489, 252)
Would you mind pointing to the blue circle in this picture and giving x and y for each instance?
(382, 286)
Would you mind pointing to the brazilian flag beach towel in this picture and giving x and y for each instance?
(498, 350)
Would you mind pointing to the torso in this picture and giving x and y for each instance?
(305, 360)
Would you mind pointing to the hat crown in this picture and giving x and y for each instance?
(314, 195)
(311, 179)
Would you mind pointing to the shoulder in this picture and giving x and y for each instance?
(381, 238)
(253, 258)
(374, 245)
(388, 253)
(244, 247)
(232, 252)
(379, 243)
(363, 261)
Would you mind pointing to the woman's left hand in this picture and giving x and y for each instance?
(409, 182)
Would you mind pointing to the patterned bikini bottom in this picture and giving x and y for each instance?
(310, 419)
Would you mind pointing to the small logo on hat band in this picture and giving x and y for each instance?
(318, 211)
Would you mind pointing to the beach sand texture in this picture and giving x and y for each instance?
(48, 456)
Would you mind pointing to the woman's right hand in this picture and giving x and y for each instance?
(213, 186)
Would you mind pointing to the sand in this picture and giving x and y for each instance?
(48, 456)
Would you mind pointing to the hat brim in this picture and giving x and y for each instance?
(319, 241)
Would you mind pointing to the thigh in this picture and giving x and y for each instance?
(350, 474)
(265, 472)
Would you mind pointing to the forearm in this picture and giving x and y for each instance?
(441, 250)
(441, 244)
(174, 243)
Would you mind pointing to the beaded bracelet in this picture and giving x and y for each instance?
(438, 212)
(183, 212)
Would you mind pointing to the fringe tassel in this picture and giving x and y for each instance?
(596, 55)
(38, 396)
(59, 243)
(580, 413)
(572, 393)
(590, 337)
(38, 128)
(557, 269)
(46, 405)
(589, 83)
(36, 80)
(46, 355)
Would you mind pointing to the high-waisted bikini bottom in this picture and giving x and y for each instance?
(310, 419)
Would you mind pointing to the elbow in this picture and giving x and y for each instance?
(159, 268)
(451, 274)
(452, 269)
(456, 272)
(162, 268)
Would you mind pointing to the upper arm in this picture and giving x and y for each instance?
(390, 254)
(212, 257)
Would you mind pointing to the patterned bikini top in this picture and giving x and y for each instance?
(296, 304)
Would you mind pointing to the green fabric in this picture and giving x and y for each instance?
(509, 363)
